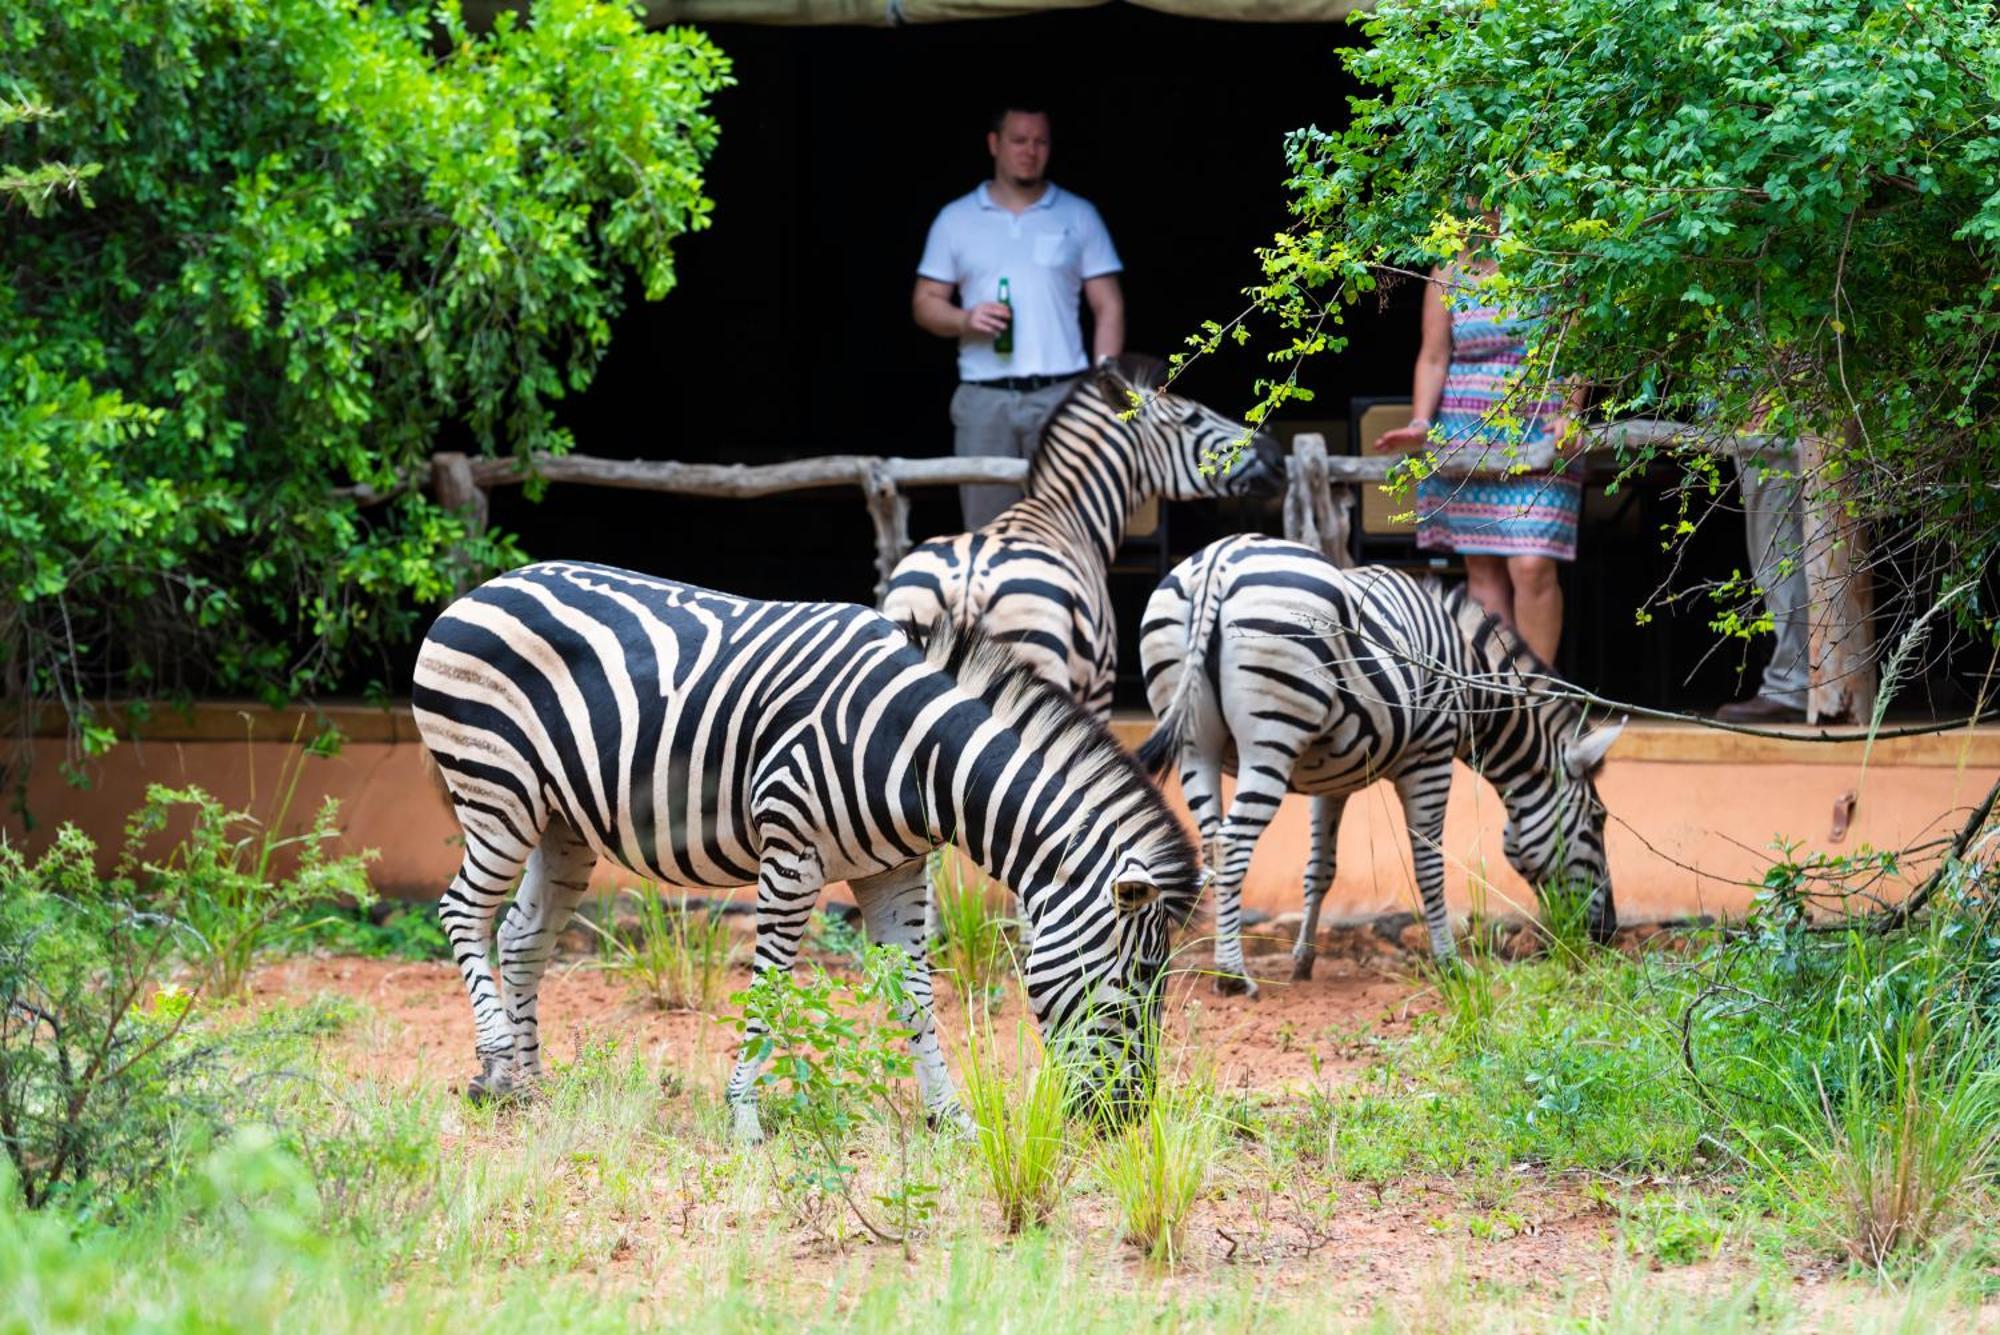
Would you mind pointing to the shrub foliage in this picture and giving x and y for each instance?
(272, 250)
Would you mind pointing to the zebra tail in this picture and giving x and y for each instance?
(1192, 693)
(1159, 751)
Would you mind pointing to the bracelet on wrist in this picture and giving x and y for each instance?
(1423, 422)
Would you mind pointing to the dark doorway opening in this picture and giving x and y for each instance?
(790, 333)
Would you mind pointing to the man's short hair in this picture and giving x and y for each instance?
(1029, 107)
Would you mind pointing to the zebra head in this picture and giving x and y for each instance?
(1179, 439)
(1100, 940)
(1555, 821)
(1100, 865)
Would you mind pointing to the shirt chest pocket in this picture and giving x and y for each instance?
(1053, 249)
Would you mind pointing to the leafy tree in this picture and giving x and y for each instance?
(275, 249)
(1760, 215)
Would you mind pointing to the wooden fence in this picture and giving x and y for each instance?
(1318, 510)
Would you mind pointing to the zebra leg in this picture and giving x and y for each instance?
(1319, 879)
(494, 856)
(1201, 789)
(1261, 777)
(788, 886)
(558, 874)
(895, 906)
(1424, 789)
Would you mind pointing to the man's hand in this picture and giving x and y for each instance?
(987, 319)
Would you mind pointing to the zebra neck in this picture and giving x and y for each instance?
(1510, 728)
(993, 797)
(1096, 472)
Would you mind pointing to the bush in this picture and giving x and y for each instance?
(111, 1072)
(383, 931)
(93, 1082)
(291, 247)
(219, 881)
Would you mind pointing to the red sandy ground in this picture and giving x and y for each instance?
(1392, 1246)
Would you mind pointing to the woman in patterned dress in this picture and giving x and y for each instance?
(1471, 403)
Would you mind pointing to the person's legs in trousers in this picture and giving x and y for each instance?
(1031, 412)
(983, 428)
(1775, 530)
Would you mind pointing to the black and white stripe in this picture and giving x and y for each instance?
(704, 740)
(1035, 578)
(1263, 656)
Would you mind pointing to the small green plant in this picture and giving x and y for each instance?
(221, 879)
(836, 1055)
(676, 956)
(1156, 1168)
(836, 935)
(1021, 1126)
(1673, 1229)
(1908, 1143)
(1471, 996)
(1855, 1062)
(972, 944)
(1565, 922)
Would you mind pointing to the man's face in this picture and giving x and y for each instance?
(1020, 148)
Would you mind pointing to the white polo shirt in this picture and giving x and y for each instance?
(1045, 253)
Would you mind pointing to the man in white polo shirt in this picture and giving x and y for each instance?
(1049, 246)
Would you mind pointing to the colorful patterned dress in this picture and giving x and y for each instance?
(1530, 514)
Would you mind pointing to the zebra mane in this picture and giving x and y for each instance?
(1498, 647)
(1073, 741)
(1131, 369)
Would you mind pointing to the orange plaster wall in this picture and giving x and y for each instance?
(1683, 838)
(1682, 830)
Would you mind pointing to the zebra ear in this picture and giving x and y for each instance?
(1131, 896)
(1112, 385)
(1587, 752)
(1135, 887)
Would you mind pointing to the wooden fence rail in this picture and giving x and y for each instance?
(1318, 508)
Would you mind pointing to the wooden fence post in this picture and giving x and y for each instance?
(1317, 513)
(458, 491)
(1840, 595)
(889, 508)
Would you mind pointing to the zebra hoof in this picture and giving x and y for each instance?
(950, 1120)
(745, 1129)
(495, 1084)
(1302, 967)
(1234, 985)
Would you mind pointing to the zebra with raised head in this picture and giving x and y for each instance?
(1264, 657)
(1036, 576)
(702, 740)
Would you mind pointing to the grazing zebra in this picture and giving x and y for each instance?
(1321, 680)
(703, 740)
(1035, 577)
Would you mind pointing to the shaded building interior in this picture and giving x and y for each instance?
(790, 334)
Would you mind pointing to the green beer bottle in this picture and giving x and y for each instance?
(1003, 342)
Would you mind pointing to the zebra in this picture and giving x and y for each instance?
(1035, 577)
(703, 740)
(1263, 655)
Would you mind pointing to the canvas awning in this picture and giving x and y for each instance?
(890, 13)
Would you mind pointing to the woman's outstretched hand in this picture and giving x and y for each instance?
(1403, 439)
